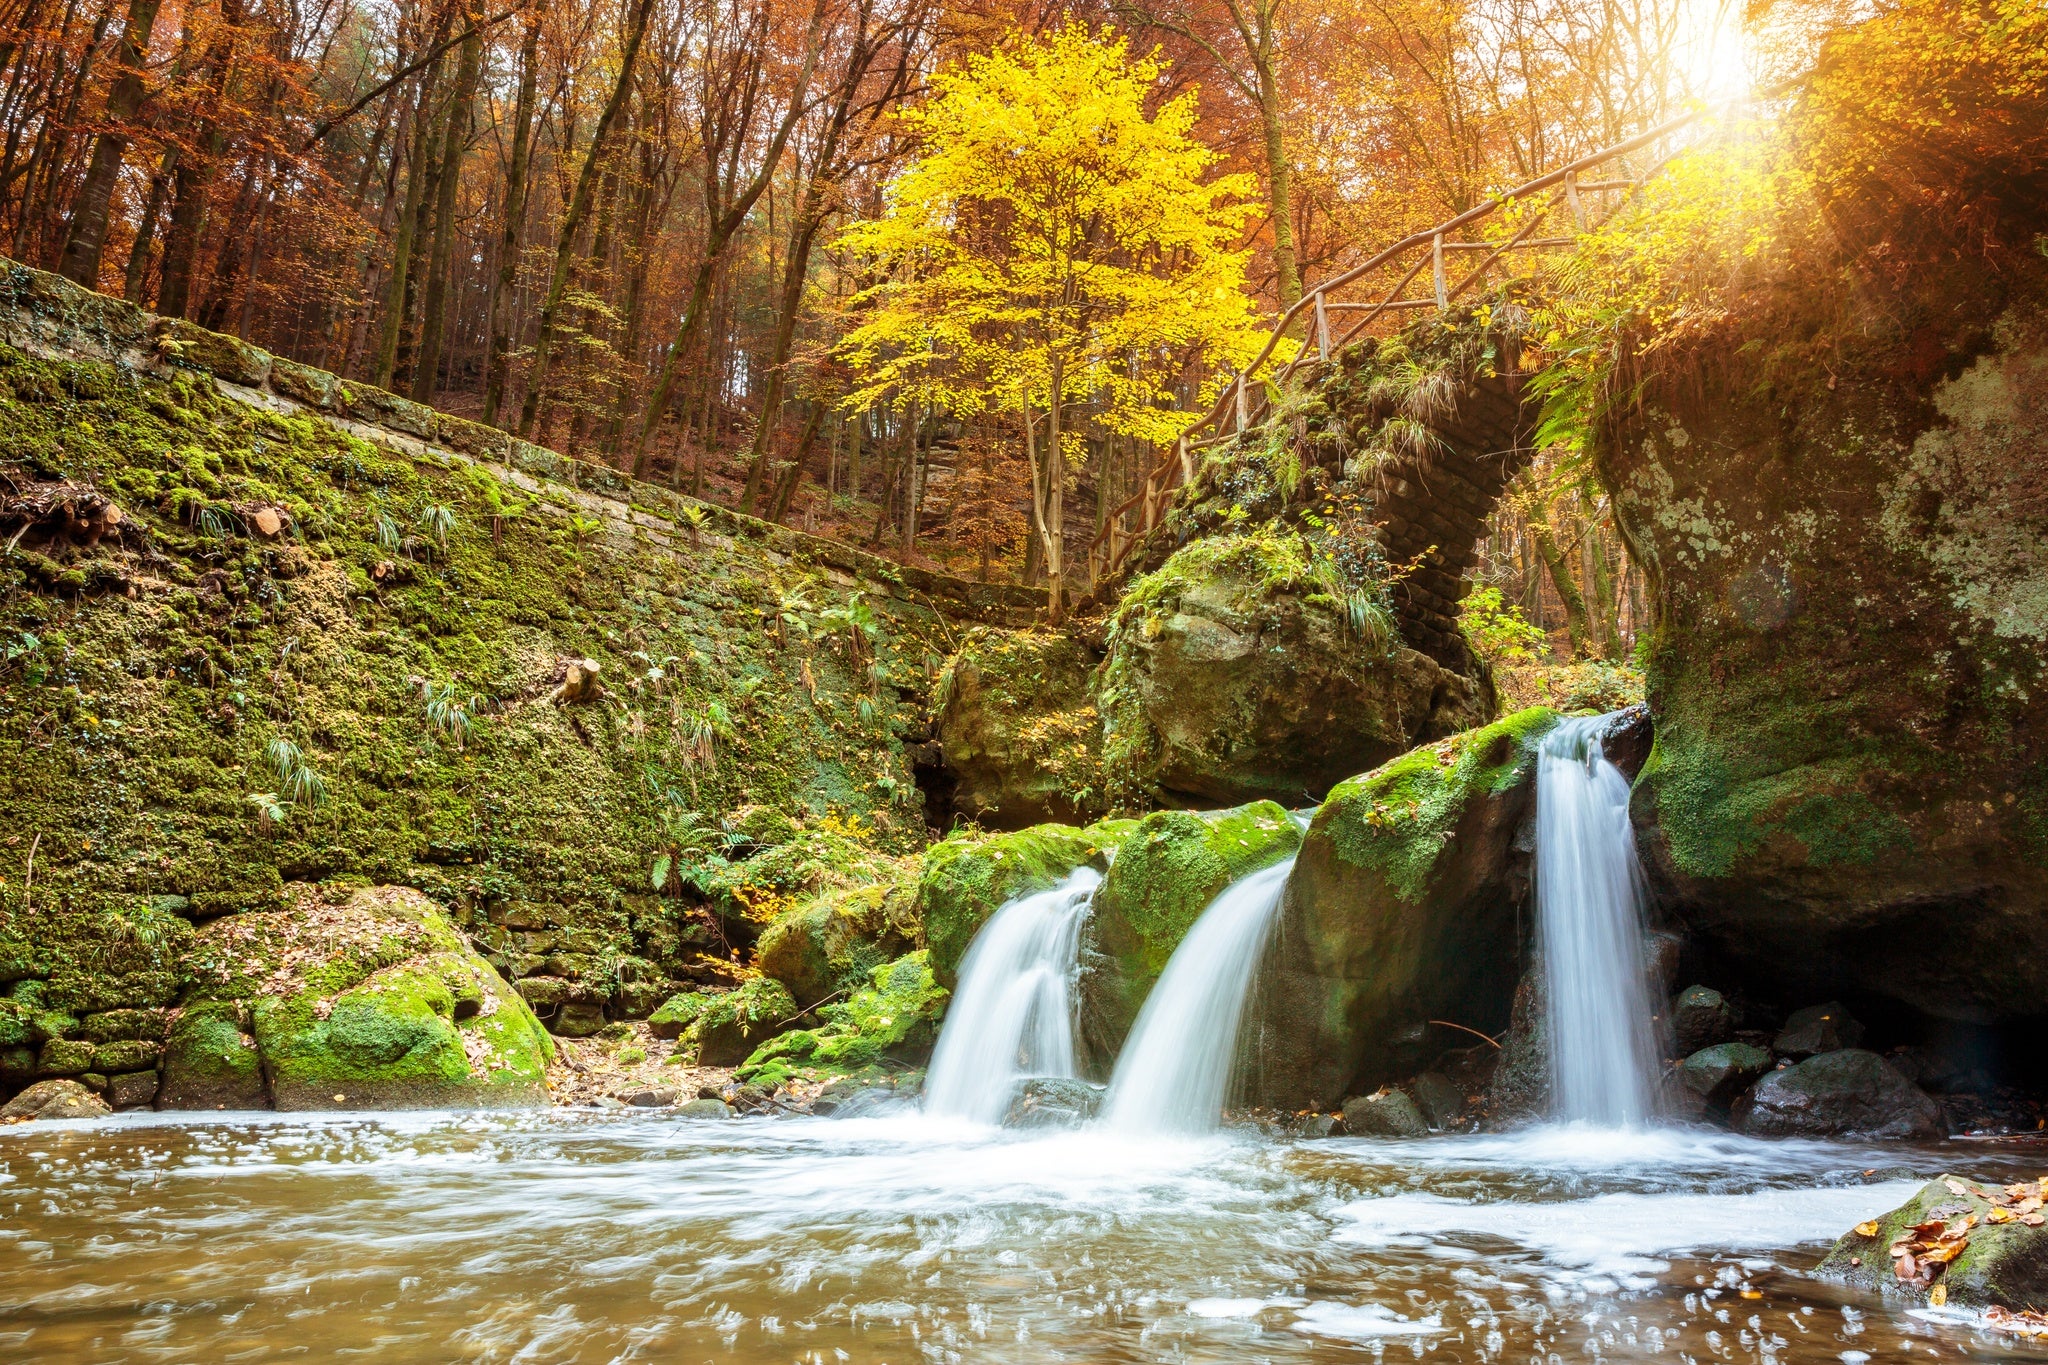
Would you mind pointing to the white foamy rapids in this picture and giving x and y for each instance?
(1624, 1237)
(1012, 1016)
(1175, 1070)
(1589, 896)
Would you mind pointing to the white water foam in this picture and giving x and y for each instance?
(1012, 1016)
(1175, 1070)
(1589, 896)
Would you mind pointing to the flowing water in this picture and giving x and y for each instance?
(1174, 1072)
(1589, 898)
(559, 1237)
(1012, 1016)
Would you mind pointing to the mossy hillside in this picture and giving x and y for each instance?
(1018, 725)
(1405, 905)
(887, 1026)
(1250, 666)
(1163, 875)
(968, 875)
(403, 635)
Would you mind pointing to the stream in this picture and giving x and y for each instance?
(562, 1236)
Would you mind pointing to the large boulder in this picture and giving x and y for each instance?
(1018, 729)
(831, 942)
(1981, 1244)
(1851, 1093)
(1237, 671)
(891, 1022)
(721, 1028)
(55, 1100)
(1160, 880)
(1405, 905)
(372, 1002)
(968, 876)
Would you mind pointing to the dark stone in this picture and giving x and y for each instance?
(1520, 1088)
(1700, 1017)
(655, 1097)
(1850, 1093)
(1053, 1101)
(1661, 952)
(1386, 1113)
(575, 1020)
(1627, 739)
(1441, 1102)
(133, 1090)
(55, 1100)
(1719, 1073)
(1818, 1029)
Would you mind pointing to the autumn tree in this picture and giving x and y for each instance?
(1054, 243)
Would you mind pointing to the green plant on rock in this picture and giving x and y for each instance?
(450, 713)
(297, 780)
(271, 813)
(437, 519)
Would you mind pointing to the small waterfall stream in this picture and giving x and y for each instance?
(1589, 896)
(1174, 1072)
(1012, 1016)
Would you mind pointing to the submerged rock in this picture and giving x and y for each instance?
(1018, 729)
(1054, 1102)
(1850, 1093)
(1700, 1017)
(1405, 905)
(1235, 672)
(375, 1002)
(1988, 1245)
(55, 1100)
(1162, 877)
(1386, 1113)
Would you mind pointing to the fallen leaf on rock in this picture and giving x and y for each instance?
(1868, 1229)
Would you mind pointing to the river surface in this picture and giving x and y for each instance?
(567, 1237)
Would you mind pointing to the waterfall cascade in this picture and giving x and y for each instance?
(1012, 1015)
(1174, 1072)
(1589, 897)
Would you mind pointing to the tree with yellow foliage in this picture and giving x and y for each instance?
(1053, 244)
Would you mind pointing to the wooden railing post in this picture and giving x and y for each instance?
(1437, 248)
(1243, 414)
(1322, 328)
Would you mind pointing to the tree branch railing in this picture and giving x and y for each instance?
(1242, 404)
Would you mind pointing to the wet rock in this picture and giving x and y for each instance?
(1520, 1086)
(1627, 740)
(574, 1019)
(1054, 1102)
(1661, 952)
(211, 1062)
(705, 1109)
(1442, 1103)
(1817, 1029)
(1719, 1073)
(1233, 674)
(1162, 877)
(1405, 903)
(654, 1097)
(134, 1090)
(1386, 1113)
(2002, 1260)
(1018, 729)
(55, 1100)
(1700, 1018)
(1850, 1093)
(967, 876)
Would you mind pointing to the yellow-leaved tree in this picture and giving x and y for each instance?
(1053, 244)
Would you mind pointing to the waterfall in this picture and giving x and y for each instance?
(1175, 1069)
(1012, 1016)
(1589, 898)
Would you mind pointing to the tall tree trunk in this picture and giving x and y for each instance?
(385, 366)
(1279, 186)
(1577, 626)
(793, 477)
(499, 360)
(572, 221)
(441, 263)
(135, 282)
(81, 259)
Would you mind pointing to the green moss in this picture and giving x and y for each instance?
(895, 1019)
(1396, 819)
(968, 876)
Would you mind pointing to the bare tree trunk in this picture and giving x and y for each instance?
(81, 260)
(441, 262)
(499, 360)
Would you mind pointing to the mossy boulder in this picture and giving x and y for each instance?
(1161, 878)
(1018, 729)
(1239, 671)
(372, 1002)
(211, 1061)
(720, 1028)
(891, 1022)
(2002, 1263)
(833, 942)
(1405, 905)
(968, 875)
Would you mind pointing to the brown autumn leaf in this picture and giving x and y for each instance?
(1868, 1229)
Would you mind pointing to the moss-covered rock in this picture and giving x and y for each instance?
(371, 1002)
(1240, 672)
(968, 875)
(1405, 904)
(833, 942)
(894, 1020)
(720, 1028)
(1161, 877)
(1018, 729)
(2002, 1262)
(211, 1062)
